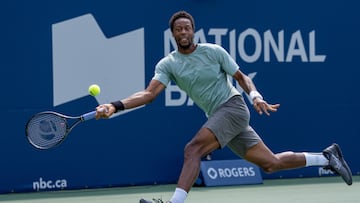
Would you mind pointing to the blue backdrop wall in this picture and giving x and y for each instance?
(301, 54)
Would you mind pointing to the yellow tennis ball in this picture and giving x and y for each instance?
(94, 90)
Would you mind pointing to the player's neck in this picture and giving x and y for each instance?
(188, 50)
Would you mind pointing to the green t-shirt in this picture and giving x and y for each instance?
(203, 75)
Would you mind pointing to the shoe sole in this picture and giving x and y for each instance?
(342, 160)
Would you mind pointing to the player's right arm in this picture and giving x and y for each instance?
(144, 97)
(140, 98)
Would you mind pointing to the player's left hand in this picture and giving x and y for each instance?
(262, 106)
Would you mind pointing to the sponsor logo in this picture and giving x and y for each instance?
(83, 55)
(231, 172)
(49, 184)
(266, 44)
(325, 172)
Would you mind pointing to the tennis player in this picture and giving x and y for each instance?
(201, 70)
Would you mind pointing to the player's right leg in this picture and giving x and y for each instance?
(154, 201)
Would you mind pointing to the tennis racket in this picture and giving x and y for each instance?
(48, 129)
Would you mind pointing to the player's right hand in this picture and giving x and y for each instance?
(104, 111)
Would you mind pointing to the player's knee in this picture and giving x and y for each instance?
(191, 151)
(268, 169)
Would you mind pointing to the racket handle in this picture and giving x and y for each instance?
(89, 116)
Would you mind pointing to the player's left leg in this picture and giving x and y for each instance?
(331, 158)
(337, 162)
(262, 156)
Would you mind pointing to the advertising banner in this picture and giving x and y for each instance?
(303, 55)
(230, 172)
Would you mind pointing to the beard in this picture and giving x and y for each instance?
(185, 46)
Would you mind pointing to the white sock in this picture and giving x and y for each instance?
(315, 159)
(179, 196)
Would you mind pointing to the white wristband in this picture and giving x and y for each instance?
(255, 94)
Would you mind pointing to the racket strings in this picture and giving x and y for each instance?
(46, 130)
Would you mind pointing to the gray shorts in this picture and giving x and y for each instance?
(230, 124)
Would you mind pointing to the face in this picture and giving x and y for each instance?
(183, 33)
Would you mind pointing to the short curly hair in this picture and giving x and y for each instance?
(181, 14)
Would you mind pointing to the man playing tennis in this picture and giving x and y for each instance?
(201, 70)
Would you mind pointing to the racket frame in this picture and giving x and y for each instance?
(68, 126)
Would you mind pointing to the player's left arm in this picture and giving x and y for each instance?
(248, 86)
